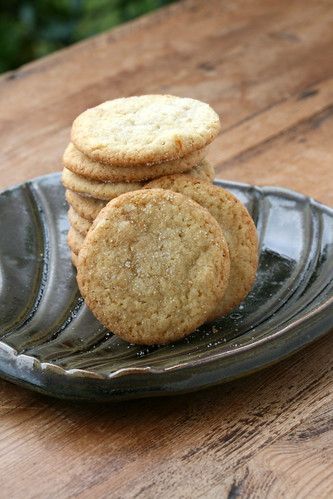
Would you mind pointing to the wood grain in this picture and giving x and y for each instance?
(267, 67)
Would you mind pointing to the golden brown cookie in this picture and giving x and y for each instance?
(204, 170)
(85, 206)
(94, 188)
(110, 190)
(154, 266)
(79, 223)
(79, 163)
(238, 228)
(75, 240)
(74, 259)
(144, 129)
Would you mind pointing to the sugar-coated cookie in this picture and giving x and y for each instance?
(110, 190)
(74, 259)
(238, 228)
(94, 188)
(85, 206)
(79, 223)
(154, 266)
(75, 240)
(79, 163)
(144, 129)
(204, 171)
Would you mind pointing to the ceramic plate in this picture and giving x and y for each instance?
(50, 342)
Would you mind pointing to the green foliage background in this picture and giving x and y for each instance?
(32, 28)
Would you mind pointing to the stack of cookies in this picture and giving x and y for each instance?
(159, 262)
(159, 250)
(120, 145)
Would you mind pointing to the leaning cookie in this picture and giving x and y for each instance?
(144, 129)
(238, 228)
(154, 266)
(85, 206)
(77, 162)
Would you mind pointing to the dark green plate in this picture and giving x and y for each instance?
(50, 341)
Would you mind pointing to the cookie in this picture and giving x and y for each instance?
(154, 266)
(99, 190)
(75, 240)
(78, 163)
(85, 206)
(110, 190)
(144, 129)
(238, 228)
(79, 223)
(204, 171)
(74, 259)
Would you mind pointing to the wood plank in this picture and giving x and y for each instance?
(298, 157)
(277, 119)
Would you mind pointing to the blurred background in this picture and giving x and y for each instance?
(32, 29)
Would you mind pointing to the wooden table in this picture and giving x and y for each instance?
(267, 67)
